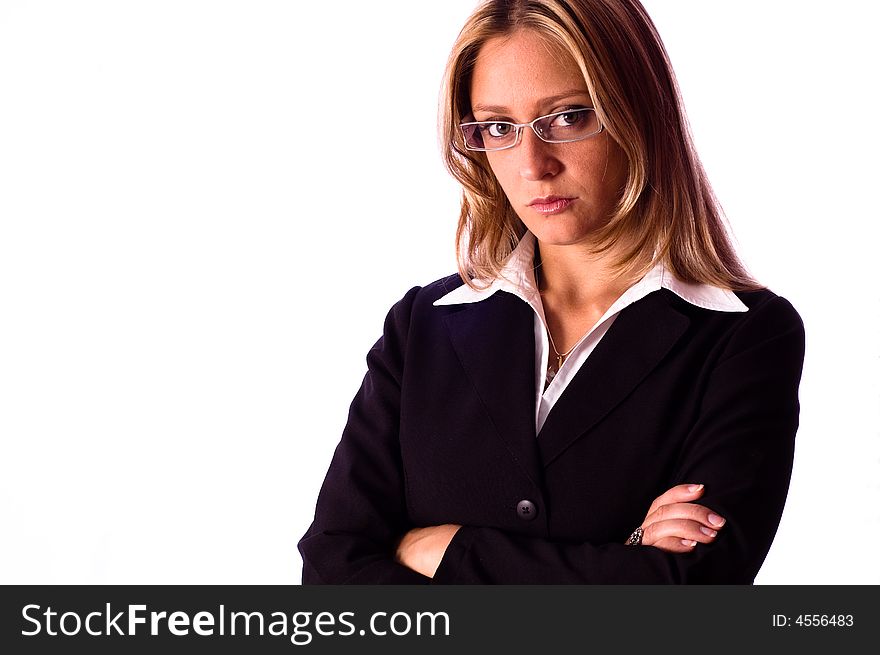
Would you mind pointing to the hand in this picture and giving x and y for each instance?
(421, 549)
(676, 524)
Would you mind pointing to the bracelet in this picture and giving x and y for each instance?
(635, 539)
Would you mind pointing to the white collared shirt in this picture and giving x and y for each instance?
(518, 277)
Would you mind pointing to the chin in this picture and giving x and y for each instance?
(560, 235)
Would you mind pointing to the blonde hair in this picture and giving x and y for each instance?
(667, 212)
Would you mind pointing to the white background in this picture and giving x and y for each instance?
(206, 209)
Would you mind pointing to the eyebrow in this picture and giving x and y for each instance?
(544, 101)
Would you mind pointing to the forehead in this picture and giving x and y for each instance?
(521, 71)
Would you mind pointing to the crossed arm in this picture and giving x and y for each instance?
(674, 523)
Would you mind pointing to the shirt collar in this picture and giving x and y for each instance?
(518, 277)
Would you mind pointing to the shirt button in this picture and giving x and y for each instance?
(526, 510)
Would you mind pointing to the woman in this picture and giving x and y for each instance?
(601, 362)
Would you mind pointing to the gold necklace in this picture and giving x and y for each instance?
(560, 358)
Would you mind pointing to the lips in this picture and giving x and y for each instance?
(551, 204)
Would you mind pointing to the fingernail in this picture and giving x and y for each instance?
(690, 543)
(714, 519)
(708, 531)
(695, 488)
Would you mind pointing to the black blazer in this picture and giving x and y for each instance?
(443, 431)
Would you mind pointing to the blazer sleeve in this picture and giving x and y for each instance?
(360, 513)
(741, 447)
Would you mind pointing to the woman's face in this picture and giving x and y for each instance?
(561, 191)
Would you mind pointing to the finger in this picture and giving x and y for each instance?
(681, 493)
(675, 545)
(678, 529)
(691, 511)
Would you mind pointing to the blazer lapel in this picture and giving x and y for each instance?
(638, 340)
(495, 343)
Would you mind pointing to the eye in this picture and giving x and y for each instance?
(496, 130)
(568, 118)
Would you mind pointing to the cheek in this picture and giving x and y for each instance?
(504, 173)
(606, 171)
(618, 167)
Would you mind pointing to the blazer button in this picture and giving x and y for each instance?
(526, 510)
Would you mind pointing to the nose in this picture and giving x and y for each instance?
(537, 159)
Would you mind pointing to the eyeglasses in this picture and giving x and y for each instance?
(561, 127)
